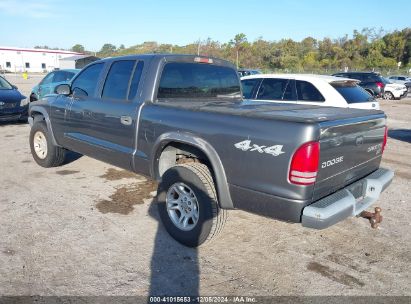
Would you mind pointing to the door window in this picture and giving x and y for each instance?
(48, 79)
(87, 79)
(307, 91)
(118, 80)
(63, 76)
(136, 80)
(275, 89)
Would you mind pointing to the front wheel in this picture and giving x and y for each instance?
(44, 152)
(188, 206)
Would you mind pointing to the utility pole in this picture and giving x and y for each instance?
(198, 47)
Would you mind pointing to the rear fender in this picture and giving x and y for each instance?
(224, 196)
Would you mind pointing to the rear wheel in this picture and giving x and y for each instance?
(188, 206)
(44, 152)
(388, 95)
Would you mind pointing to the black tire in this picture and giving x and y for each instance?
(388, 96)
(211, 218)
(54, 156)
(370, 92)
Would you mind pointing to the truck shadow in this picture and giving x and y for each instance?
(174, 267)
(71, 157)
(13, 123)
(400, 134)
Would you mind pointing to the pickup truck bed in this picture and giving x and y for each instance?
(188, 128)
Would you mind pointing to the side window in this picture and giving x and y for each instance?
(59, 76)
(118, 80)
(307, 92)
(249, 86)
(272, 89)
(48, 79)
(399, 78)
(87, 79)
(136, 80)
(63, 76)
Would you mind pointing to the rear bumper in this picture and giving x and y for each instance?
(404, 94)
(347, 202)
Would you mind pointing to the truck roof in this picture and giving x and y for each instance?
(172, 57)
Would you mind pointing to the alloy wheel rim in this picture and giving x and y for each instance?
(40, 144)
(182, 206)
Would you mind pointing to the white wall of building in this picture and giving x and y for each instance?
(31, 60)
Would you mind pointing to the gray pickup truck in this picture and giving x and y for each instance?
(181, 120)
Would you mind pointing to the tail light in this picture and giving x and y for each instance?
(304, 164)
(384, 143)
(380, 84)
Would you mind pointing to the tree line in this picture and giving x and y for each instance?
(367, 49)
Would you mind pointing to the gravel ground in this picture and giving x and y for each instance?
(88, 228)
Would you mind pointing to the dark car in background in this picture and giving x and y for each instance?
(372, 82)
(247, 72)
(51, 81)
(13, 105)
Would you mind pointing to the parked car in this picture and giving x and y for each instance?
(181, 120)
(51, 81)
(246, 72)
(372, 82)
(405, 80)
(13, 105)
(394, 90)
(321, 90)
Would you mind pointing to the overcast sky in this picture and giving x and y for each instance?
(62, 23)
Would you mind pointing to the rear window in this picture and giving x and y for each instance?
(196, 80)
(351, 92)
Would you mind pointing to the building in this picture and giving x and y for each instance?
(13, 59)
(77, 61)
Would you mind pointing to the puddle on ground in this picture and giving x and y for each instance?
(9, 135)
(335, 275)
(26, 161)
(114, 174)
(67, 172)
(123, 200)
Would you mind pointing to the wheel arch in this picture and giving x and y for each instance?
(168, 145)
(371, 92)
(38, 113)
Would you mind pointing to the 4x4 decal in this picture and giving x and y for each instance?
(246, 145)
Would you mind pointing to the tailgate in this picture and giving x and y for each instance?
(349, 150)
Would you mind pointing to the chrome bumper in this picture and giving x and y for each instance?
(346, 202)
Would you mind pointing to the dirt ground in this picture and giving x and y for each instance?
(88, 228)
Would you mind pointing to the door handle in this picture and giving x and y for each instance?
(126, 120)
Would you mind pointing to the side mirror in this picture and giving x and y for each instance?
(63, 89)
(14, 87)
